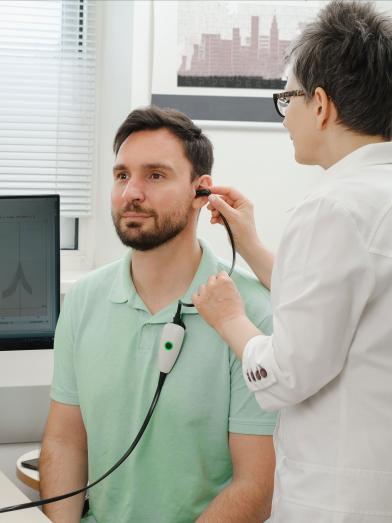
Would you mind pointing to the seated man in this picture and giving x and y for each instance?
(207, 454)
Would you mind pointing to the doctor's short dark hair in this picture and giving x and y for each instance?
(197, 147)
(347, 50)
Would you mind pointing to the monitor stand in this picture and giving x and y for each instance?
(25, 378)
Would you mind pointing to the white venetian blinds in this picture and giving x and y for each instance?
(47, 100)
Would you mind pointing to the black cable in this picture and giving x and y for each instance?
(231, 238)
(177, 317)
(161, 381)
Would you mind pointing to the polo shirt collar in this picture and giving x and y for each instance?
(370, 154)
(123, 289)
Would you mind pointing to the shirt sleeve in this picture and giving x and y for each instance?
(323, 280)
(246, 417)
(64, 385)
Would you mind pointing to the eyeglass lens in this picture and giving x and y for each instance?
(282, 105)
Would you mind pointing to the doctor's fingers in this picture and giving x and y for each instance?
(231, 196)
(214, 285)
(215, 279)
(219, 287)
(238, 211)
(226, 199)
(215, 215)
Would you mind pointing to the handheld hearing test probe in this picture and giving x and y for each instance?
(169, 348)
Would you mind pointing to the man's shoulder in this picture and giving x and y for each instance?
(98, 281)
(242, 276)
(255, 296)
(250, 288)
(247, 283)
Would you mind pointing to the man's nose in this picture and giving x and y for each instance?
(133, 191)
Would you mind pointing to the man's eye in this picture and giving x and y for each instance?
(122, 176)
(156, 176)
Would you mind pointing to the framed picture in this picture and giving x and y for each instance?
(220, 61)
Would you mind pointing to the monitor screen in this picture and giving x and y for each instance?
(29, 271)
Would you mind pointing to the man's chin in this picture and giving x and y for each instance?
(144, 236)
(134, 242)
(145, 242)
(141, 242)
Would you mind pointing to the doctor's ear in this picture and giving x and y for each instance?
(325, 110)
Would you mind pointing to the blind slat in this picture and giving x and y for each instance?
(47, 100)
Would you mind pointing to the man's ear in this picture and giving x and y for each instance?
(201, 182)
(324, 109)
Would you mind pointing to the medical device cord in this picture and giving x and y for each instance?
(162, 378)
(233, 251)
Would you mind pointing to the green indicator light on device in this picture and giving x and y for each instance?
(168, 345)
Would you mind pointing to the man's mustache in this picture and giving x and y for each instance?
(135, 207)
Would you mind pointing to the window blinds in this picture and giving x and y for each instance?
(47, 100)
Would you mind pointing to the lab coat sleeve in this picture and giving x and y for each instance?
(321, 283)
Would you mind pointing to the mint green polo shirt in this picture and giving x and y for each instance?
(106, 361)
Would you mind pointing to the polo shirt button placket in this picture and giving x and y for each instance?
(145, 341)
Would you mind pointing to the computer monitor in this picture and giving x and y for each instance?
(29, 271)
(29, 308)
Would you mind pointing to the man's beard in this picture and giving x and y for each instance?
(165, 228)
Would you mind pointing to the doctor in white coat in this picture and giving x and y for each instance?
(328, 365)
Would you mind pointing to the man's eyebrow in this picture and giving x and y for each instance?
(119, 167)
(159, 165)
(156, 165)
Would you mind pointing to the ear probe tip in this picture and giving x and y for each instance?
(202, 192)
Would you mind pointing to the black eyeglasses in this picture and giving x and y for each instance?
(282, 100)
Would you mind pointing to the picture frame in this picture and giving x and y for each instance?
(216, 79)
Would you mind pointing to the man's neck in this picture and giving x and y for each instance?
(163, 275)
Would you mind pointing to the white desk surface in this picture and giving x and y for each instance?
(11, 495)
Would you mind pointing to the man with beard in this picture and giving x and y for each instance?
(207, 455)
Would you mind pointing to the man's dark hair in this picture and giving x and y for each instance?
(197, 147)
(347, 51)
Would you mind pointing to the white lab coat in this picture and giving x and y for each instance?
(328, 365)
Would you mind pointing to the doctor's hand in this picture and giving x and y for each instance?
(221, 305)
(238, 211)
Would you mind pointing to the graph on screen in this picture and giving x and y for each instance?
(29, 268)
(23, 277)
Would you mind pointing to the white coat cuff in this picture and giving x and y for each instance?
(257, 363)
